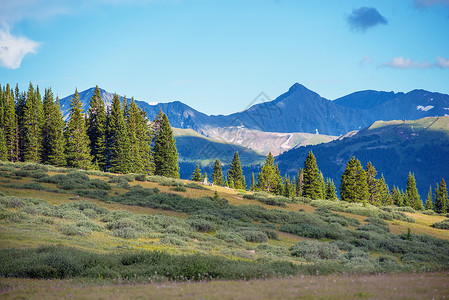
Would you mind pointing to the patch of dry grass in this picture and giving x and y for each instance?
(399, 286)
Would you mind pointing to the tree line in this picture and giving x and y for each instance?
(119, 138)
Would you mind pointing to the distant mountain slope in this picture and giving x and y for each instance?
(194, 147)
(395, 148)
(300, 110)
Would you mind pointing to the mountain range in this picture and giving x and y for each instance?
(274, 125)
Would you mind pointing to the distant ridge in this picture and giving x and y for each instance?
(299, 110)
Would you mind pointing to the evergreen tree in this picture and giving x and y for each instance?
(396, 196)
(267, 179)
(204, 177)
(252, 187)
(279, 187)
(119, 154)
(412, 193)
(312, 185)
(373, 185)
(53, 142)
(32, 120)
(354, 187)
(196, 175)
(217, 175)
(322, 185)
(226, 183)
(236, 173)
(77, 141)
(331, 193)
(287, 187)
(441, 198)
(3, 149)
(96, 129)
(429, 200)
(384, 192)
(231, 182)
(165, 152)
(20, 113)
(11, 130)
(299, 182)
(145, 136)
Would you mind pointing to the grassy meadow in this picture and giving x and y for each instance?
(84, 233)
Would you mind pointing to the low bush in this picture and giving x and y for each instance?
(429, 212)
(196, 186)
(254, 236)
(305, 230)
(202, 225)
(141, 177)
(95, 194)
(126, 233)
(442, 225)
(314, 250)
(75, 230)
(75, 180)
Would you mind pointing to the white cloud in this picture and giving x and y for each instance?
(442, 62)
(406, 63)
(14, 48)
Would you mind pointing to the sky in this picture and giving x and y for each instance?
(219, 55)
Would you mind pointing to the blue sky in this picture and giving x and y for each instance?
(216, 56)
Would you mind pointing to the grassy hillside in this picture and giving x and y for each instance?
(61, 223)
(395, 148)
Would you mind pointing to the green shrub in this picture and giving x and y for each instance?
(230, 237)
(254, 236)
(90, 225)
(202, 225)
(442, 225)
(172, 239)
(75, 180)
(314, 250)
(95, 194)
(141, 177)
(75, 230)
(126, 233)
(429, 212)
(305, 230)
(120, 181)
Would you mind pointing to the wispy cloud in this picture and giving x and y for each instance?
(363, 18)
(442, 62)
(366, 60)
(14, 48)
(406, 63)
(428, 3)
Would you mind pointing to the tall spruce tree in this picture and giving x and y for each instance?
(32, 121)
(373, 185)
(354, 187)
(312, 185)
(299, 182)
(53, 144)
(11, 130)
(196, 175)
(236, 173)
(384, 192)
(441, 198)
(412, 193)
(267, 179)
(3, 149)
(217, 175)
(252, 186)
(396, 197)
(20, 111)
(119, 154)
(429, 200)
(165, 152)
(96, 129)
(331, 193)
(77, 141)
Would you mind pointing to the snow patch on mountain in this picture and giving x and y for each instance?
(425, 108)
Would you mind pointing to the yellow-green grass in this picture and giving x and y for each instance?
(391, 286)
